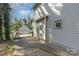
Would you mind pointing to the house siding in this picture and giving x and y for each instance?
(69, 34)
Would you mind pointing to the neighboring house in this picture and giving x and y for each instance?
(24, 31)
(61, 27)
(39, 22)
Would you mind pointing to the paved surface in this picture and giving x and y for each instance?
(29, 47)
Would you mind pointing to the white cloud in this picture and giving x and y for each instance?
(16, 6)
(20, 10)
(13, 5)
(24, 12)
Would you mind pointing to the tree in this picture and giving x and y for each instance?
(14, 26)
(6, 9)
(28, 22)
(4, 17)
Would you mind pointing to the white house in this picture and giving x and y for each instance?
(39, 22)
(58, 23)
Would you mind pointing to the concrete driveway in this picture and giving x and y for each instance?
(29, 47)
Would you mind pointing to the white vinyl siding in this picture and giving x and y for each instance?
(69, 34)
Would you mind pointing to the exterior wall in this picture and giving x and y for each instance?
(69, 34)
(39, 22)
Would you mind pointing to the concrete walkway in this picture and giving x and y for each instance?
(29, 47)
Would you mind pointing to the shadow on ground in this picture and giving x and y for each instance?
(30, 47)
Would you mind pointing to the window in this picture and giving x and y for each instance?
(58, 24)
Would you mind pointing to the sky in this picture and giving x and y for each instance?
(21, 10)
